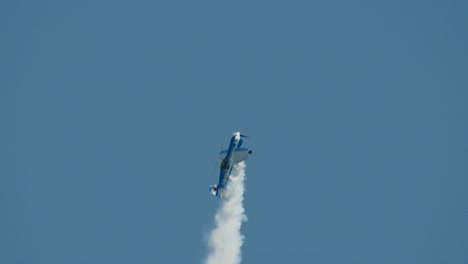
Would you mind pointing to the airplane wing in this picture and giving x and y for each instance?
(222, 154)
(240, 154)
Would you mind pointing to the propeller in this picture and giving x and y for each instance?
(235, 133)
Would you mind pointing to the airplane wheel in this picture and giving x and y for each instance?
(250, 152)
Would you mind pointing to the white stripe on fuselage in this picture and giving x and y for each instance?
(228, 170)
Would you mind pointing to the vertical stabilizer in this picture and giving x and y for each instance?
(213, 189)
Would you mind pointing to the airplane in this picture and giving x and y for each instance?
(230, 157)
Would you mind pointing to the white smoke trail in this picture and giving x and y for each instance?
(225, 240)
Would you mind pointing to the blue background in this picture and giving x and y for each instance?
(113, 112)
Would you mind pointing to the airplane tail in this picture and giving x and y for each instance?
(213, 189)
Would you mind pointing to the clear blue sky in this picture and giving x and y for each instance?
(113, 112)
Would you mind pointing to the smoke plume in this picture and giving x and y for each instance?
(225, 240)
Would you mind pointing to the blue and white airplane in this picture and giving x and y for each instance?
(229, 158)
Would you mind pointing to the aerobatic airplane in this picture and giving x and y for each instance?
(230, 157)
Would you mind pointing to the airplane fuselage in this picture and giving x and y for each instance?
(227, 164)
